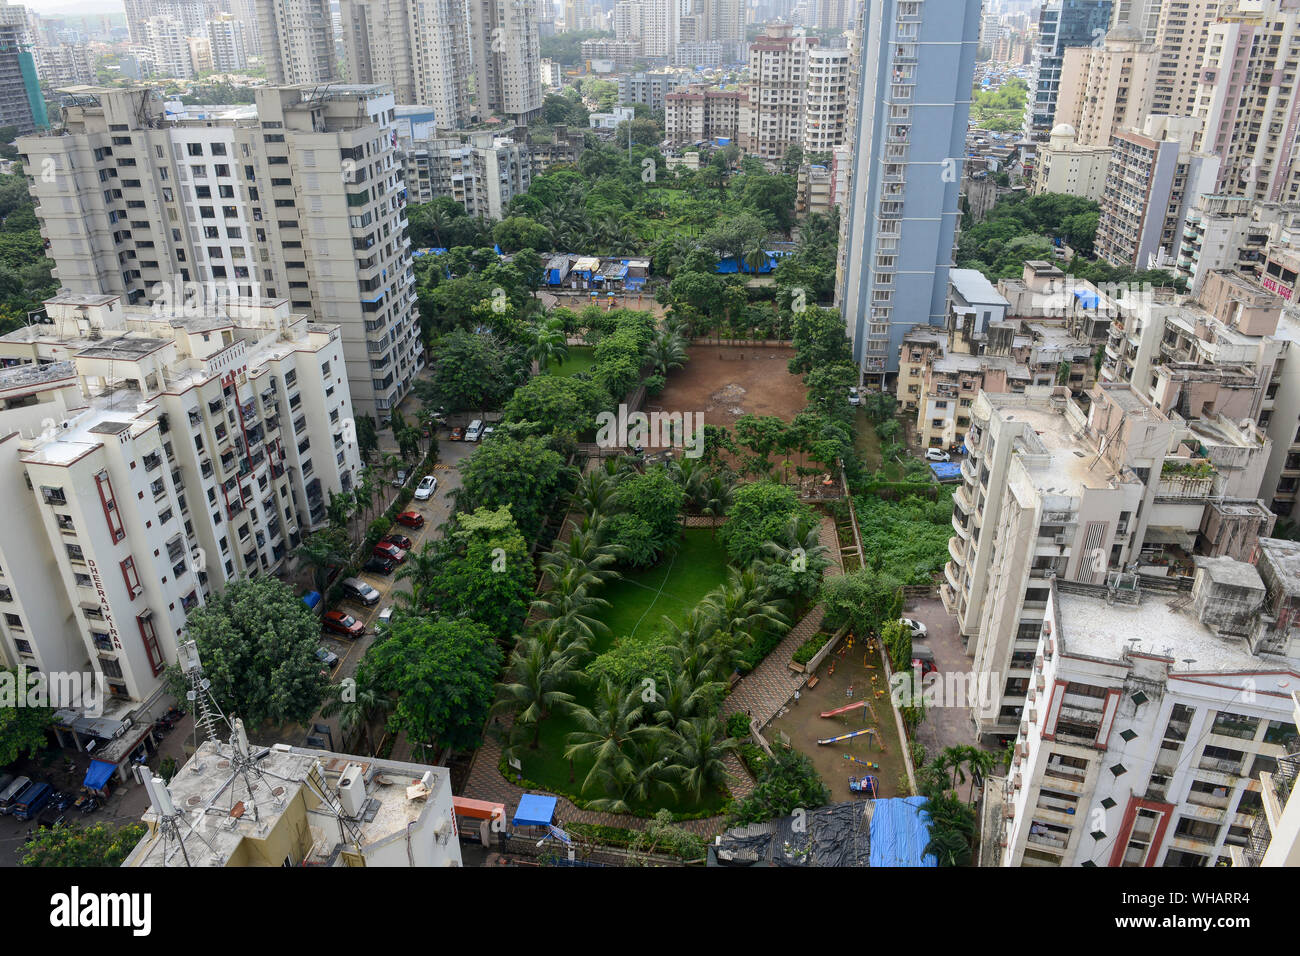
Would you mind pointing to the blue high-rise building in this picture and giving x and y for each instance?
(1061, 25)
(914, 63)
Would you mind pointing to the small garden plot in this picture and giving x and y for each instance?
(580, 358)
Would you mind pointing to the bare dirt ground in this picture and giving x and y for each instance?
(725, 382)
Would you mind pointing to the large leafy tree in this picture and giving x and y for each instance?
(523, 473)
(819, 339)
(760, 512)
(557, 403)
(487, 575)
(655, 499)
(471, 372)
(862, 599)
(440, 672)
(258, 644)
(22, 729)
(97, 845)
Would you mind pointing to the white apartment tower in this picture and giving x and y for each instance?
(297, 39)
(772, 109)
(418, 47)
(826, 99)
(229, 43)
(297, 197)
(507, 59)
(149, 456)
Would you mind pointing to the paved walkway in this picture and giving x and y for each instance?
(762, 693)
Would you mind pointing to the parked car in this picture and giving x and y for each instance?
(376, 565)
(855, 398)
(487, 432)
(385, 616)
(11, 793)
(5, 780)
(475, 431)
(458, 434)
(428, 485)
(401, 540)
(410, 519)
(326, 656)
(390, 552)
(400, 479)
(923, 658)
(339, 622)
(359, 590)
(937, 454)
(919, 633)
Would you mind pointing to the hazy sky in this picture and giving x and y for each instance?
(73, 7)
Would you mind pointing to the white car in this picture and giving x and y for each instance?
(428, 485)
(919, 633)
(487, 432)
(937, 454)
(475, 431)
(855, 398)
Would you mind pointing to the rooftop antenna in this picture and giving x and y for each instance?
(199, 695)
(170, 820)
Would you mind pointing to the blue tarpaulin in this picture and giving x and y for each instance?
(535, 810)
(946, 470)
(1087, 299)
(900, 832)
(98, 774)
(311, 599)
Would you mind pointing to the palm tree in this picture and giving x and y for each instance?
(702, 747)
(692, 474)
(534, 684)
(421, 569)
(585, 549)
(608, 729)
(321, 552)
(800, 540)
(754, 255)
(682, 699)
(741, 608)
(718, 496)
(650, 770)
(667, 352)
(548, 344)
(980, 763)
(597, 492)
(367, 703)
(567, 610)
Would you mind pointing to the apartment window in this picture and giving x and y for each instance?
(150, 638)
(194, 149)
(131, 577)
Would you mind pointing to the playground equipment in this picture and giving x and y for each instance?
(870, 765)
(864, 784)
(845, 709)
(851, 734)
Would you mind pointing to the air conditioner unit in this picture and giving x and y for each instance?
(352, 790)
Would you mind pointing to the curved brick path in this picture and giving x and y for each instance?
(762, 692)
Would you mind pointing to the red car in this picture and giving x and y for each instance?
(458, 433)
(390, 551)
(401, 540)
(410, 519)
(341, 623)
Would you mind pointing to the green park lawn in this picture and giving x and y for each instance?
(638, 604)
(581, 359)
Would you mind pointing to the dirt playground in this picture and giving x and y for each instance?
(802, 725)
(728, 381)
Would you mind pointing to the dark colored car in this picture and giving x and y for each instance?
(379, 565)
(410, 519)
(390, 551)
(340, 622)
(401, 540)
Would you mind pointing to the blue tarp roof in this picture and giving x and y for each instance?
(1087, 299)
(98, 774)
(946, 470)
(900, 832)
(535, 810)
(311, 598)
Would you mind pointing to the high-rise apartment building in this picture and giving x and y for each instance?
(65, 64)
(659, 29)
(482, 170)
(649, 88)
(507, 58)
(21, 103)
(1182, 31)
(1108, 88)
(297, 197)
(695, 114)
(297, 39)
(772, 108)
(418, 47)
(152, 455)
(229, 43)
(1153, 178)
(909, 104)
(192, 15)
(826, 99)
(1062, 24)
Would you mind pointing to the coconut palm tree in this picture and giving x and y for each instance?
(702, 746)
(534, 685)
(367, 702)
(548, 343)
(321, 552)
(717, 498)
(421, 569)
(667, 351)
(585, 548)
(607, 731)
(567, 612)
(682, 698)
(800, 543)
(597, 492)
(650, 772)
(741, 607)
(980, 764)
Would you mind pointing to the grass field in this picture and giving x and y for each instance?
(638, 604)
(581, 358)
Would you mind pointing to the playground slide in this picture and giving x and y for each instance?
(856, 733)
(845, 709)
